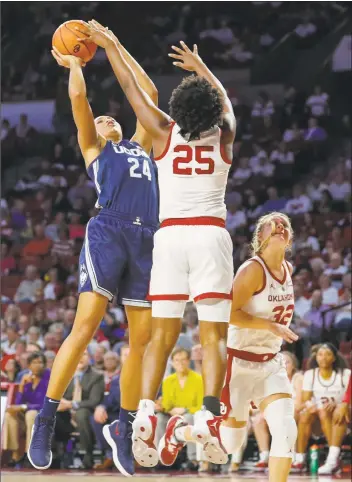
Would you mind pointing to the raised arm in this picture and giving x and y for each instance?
(90, 142)
(247, 282)
(141, 135)
(191, 61)
(154, 121)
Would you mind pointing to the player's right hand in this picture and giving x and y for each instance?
(188, 60)
(66, 61)
(283, 332)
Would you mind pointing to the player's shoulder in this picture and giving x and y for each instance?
(251, 267)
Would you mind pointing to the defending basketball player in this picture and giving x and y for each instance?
(192, 256)
(262, 308)
(117, 255)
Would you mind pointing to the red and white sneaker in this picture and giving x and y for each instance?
(143, 435)
(261, 465)
(169, 447)
(298, 467)
(206, 430)
(329, 468)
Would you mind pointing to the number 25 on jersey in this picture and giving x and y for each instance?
(204, 164)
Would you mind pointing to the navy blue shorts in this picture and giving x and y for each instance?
(116, 258)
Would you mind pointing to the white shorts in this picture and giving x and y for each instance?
(192, 263)
(248, 382)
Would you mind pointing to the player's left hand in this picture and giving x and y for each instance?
(342, 414)
(329, 406)
(98, 34)
(188, 60)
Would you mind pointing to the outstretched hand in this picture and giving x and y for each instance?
(97, 34)
(187, 60)
(66, 60)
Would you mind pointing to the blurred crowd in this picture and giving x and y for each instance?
(291, 155)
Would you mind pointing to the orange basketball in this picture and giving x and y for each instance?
(65, 39)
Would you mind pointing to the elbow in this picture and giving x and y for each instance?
(154, 94)
(77, 95)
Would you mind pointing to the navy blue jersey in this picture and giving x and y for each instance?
(125, 181)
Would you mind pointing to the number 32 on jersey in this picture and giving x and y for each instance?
(204, 163)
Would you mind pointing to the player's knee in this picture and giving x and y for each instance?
(215, 310)
(232, 438)
(279, 416)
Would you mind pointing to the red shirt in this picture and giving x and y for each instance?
(347, 397)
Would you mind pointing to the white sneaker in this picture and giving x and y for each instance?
(329, 468)
(143, 434)
(206, 431)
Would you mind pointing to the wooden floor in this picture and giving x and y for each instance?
(62, 476)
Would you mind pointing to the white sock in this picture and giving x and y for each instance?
(147, 406)
(300, 458)
(264, 456)
(333, 454)
(180, 434)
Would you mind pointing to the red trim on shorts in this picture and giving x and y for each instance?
(264, 273)
(250, 356)
(163, 154)
(167, 297)
(197, 221)
(271, 274)
(223, 151)
(214, 295)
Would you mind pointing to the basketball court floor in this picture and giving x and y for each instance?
(63, 476)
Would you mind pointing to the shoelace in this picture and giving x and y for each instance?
(43, 434)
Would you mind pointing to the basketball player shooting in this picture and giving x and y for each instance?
(116, 255)
(192, 256)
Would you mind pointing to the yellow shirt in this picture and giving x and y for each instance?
(189, 397)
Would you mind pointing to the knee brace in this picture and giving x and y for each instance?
(279, 416)
(232, 438)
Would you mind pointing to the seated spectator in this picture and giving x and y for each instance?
(50, 357)
(343, 317)
(305, 240)
(52, 230)
(315, 188)
(68, 319)
(340, 188)
(7, 261)
(330, 293)
(182, 394)
(98, 357)
(5, 129)
(265, 168)
(317, 103)
(20, 416)
(28, 287)
(300, 203)
(53, 288)
(336, 270)
(259, 153)
(315, 317)
(63, 246)
(346, 283)
(111, 367)
(108, 412)
(76, 228)
(294, 133)
(282, 155)
(243, 172)
(51, 342)
(34, 336)
(8, 344)
(273, 203)
(254, 210)
(83, 395)
(235, 219)
(23, 130)
(83, 189)
(18, 215)
(12, 369)
(39, 245)
(325, 204)
(23, 325)
(324, 386)
(314, 133)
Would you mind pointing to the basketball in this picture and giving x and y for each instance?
(65, 39)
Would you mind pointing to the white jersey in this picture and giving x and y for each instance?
(275, 301)
(193, 176)
(323, 390)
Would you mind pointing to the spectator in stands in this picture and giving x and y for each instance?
(340, 188)
(5, 129)
(294, 133)
(34, 336)
(111, 367)
(63, 246)
(263, 106)
(236, 218)
(39, 245)
(50, 357)
(326, 368)
(273, 203)
(23, 130)
(23, 325)
(336, 270)
(315, 317)
(325, 204)
(18, 215)
(12, 368)
(52, 230)
(318, 103)
(27, 288)
(83, 189)
(300, 203)
(7, 261)
(282, 155)
(305, 29)
(182, 394)
(329, 292)
(343, 317)
(28, 401)
(83, 395)
(243, 172)
(314, 133)
(51, 342)
(12, 314)
(108, 412)
(98, 357)
(8, 346)
(68, 319)
(305, 240)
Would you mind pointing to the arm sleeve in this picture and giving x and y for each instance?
(307, 385)
(96, 394)
(347, 396)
